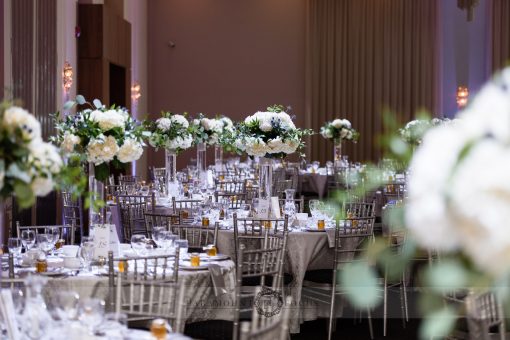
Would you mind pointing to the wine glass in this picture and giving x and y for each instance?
(91, 312)
(44, 242)
(14, 244)
(65, 305)
(166, 239)
(87, 251)
(156, 234)
(244, 210)
(314, 208)
(54, 232)
(183, 247)
(28, 238)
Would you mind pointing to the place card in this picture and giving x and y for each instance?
(263, 208)
(105, 240)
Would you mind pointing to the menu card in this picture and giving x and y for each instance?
(263, 208)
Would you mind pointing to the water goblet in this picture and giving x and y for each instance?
(91, 312)
(87, 251)
(28, 238)
(139, 244)
(183, 247)
(44, 242)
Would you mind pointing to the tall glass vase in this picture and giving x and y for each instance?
(202, 164)
(337, 153)
(172, 186)
(218, 158)
(265, 187)
(3, 227)
(96, 190)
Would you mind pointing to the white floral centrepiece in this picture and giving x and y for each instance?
(210, 130)
(102, 135)
(170, 132)
(459, 191)
(339, 129)
(28, 165)
(270, 134)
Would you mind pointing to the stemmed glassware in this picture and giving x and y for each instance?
(14, 244)
(91, 312)
(139, 244)
(28, 238)
(45, 242)
(87, 251)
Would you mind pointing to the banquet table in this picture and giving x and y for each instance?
(313, 183)
(200, 299)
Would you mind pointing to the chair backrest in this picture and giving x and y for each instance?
(484, 313)
(132, 218)
(233, 200)
(264, 324)
(236, 187)
(394, 191)
(66, 231)
(185, 208)
(72, 211)
(160, 220)
(280, 186)
(148, 300)
(197, 236)
(158, 267)
(149, 200)
(128, 179)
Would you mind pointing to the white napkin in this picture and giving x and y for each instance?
(331, 237)
(217, 279)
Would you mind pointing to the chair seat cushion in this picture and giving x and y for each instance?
(319, 276)
(255, 281)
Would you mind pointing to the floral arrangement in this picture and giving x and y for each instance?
(102, 135)
(270, 134)
(339, 129)
(29, 167)
(171, 132)
(211, 130)
(414, 130)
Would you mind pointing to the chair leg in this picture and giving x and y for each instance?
(404, 284)
(385, 306)
(402, 305)
(370, 328)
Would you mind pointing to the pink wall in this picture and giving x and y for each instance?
(230, 57)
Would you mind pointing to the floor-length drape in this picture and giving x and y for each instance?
(500, 42)
(364, 56)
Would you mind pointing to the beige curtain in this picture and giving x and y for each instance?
(500, 34)
(364, 56)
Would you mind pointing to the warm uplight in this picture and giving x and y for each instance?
(67, 76)
(462, 96)
(135, 91)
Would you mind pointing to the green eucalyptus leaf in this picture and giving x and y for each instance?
(80, 99)
(447, 275)
(69, 105)
(360, 283)
(102, 171)
(24, 194)
(97, 103)
(438, 324)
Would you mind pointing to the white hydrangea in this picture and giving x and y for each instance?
(102, 149)
(69, 142)
(180, 119)
(16, 117)
(265, 125)
(182, 143)
(326, 133)
(109, 119)
(290, 146)
(42, 186)
(164, 124)
(45, 156)
(208, 124)
(130, 151)
(337, 123)
(286, 121)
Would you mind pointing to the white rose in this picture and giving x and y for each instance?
(337, 123)
(291, 146)
(180, 119)
(346, 123)
(102, 150)
(16, 117)
(344, 133)
(256, 147)
(42, 186)
(196, 121)
(109, 119)
(69, 142)
(207, 124)
(276, 145)
(186, 142)
(286, 121)
(164, 124)
(130, 151)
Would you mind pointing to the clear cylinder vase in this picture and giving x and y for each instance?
(337, 153)
(96, 190)
(172, 186)
(265, 178)
(218, 158)
(3, 227)
(202, 163)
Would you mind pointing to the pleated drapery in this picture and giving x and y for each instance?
(364, 56)
(500, 42)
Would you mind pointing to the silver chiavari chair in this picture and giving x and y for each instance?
(72, 211)
(262, 327)
(186, 209)
(232, 200)
(485, 313)
(260, 266)
(157, 267)
(255, 232)
(351, 240)
(280, 186)
(128, 180)
(197, 236)
(149, 200)
(132, 218)
(160, 220)
(66, 232)
(236, 187)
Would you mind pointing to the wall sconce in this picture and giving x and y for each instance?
(462, 96)
(67, 77)
(135, 91)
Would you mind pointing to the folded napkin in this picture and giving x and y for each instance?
(331, 237)
(217, 279)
